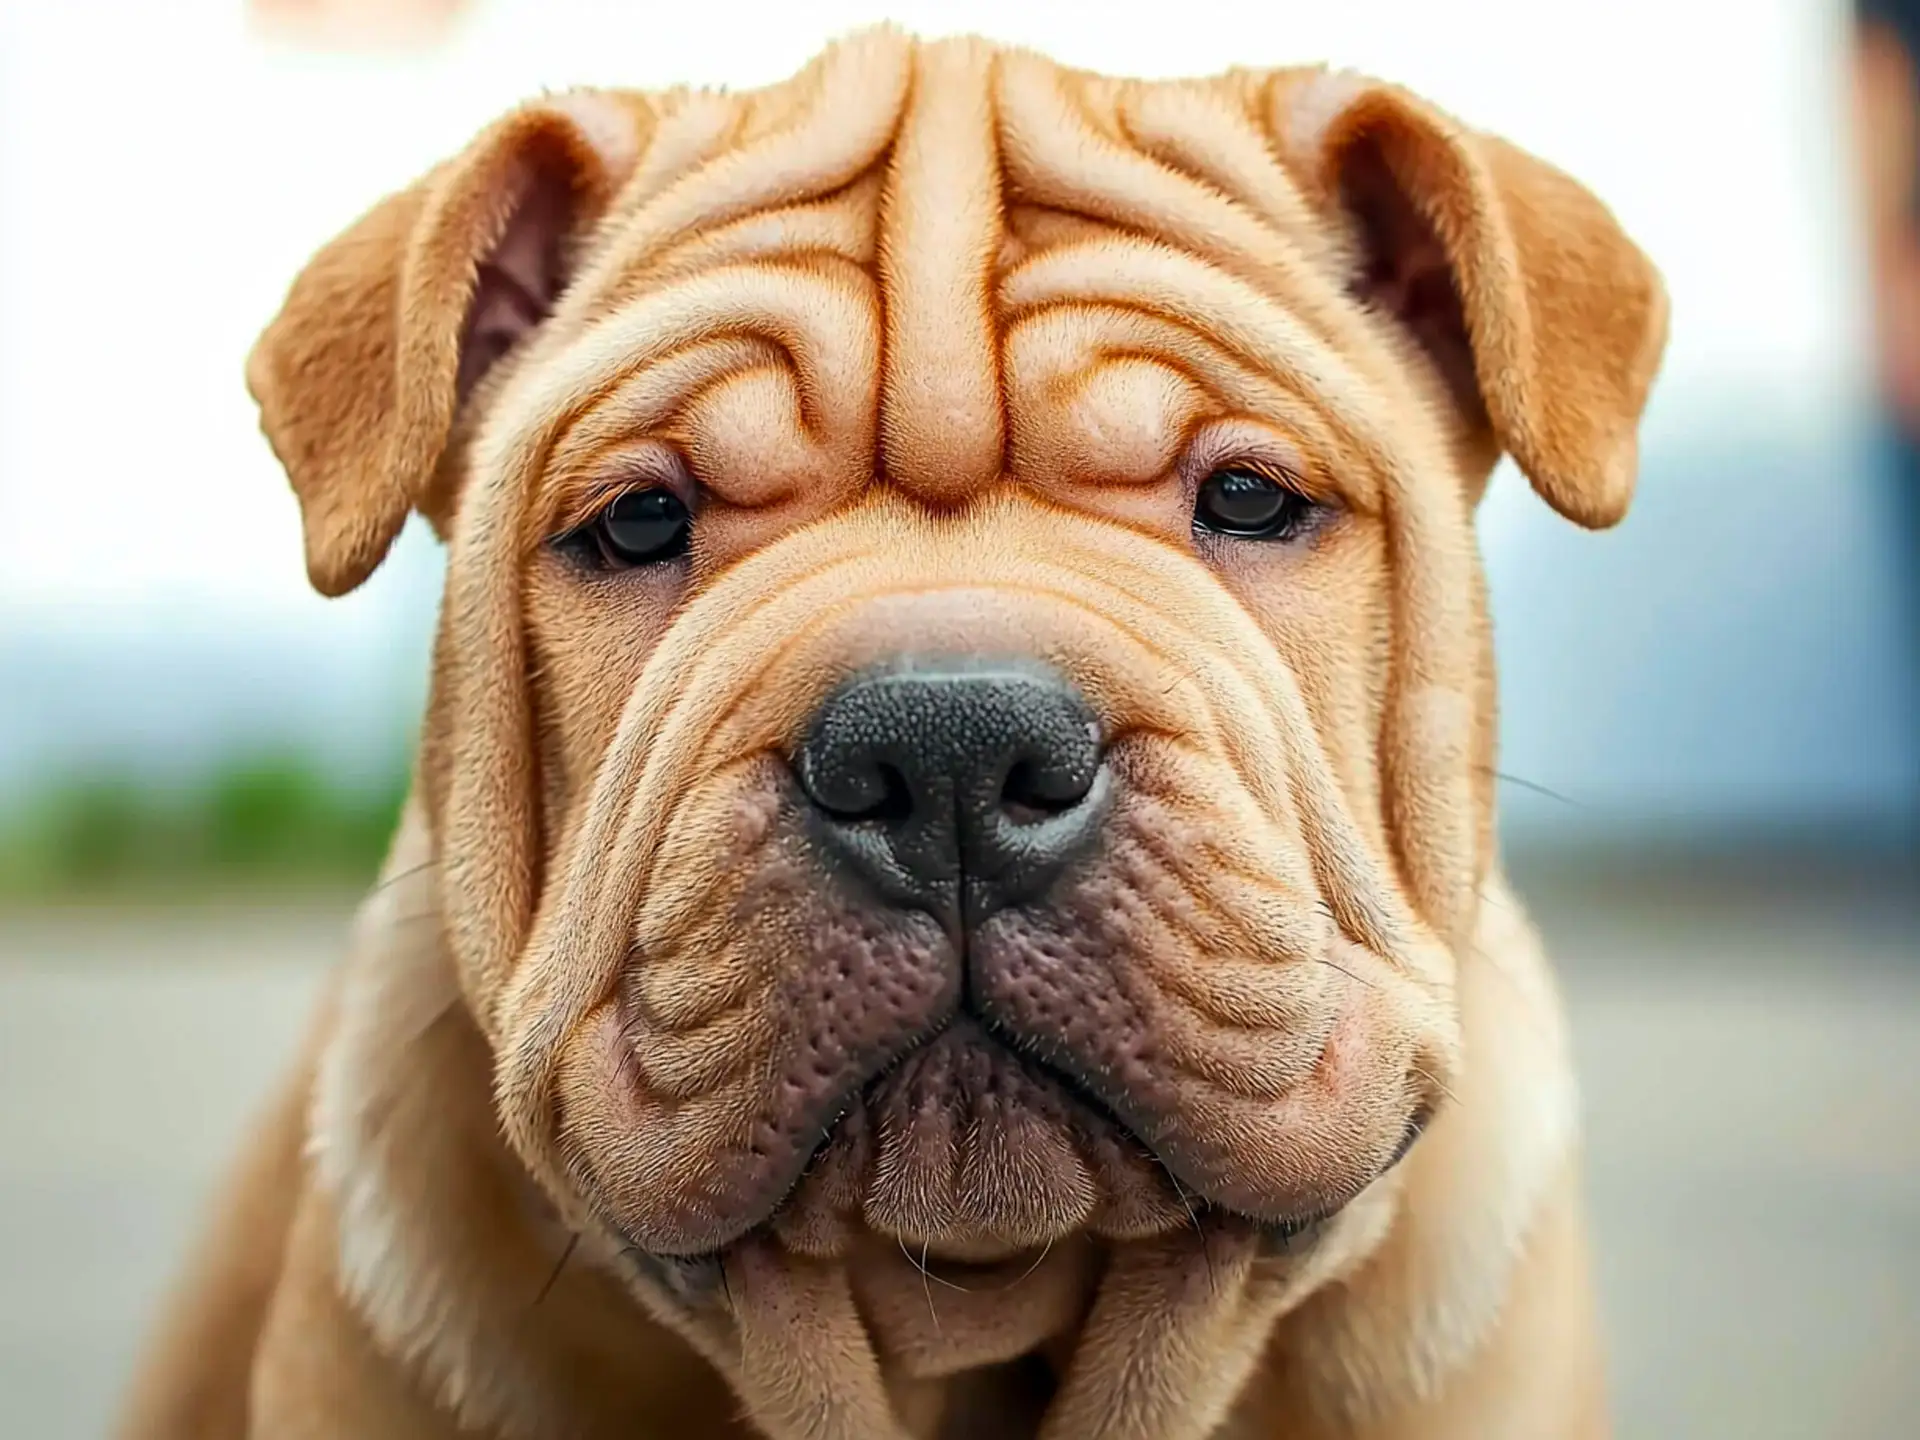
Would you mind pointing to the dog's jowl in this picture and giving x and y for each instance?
(950, 888)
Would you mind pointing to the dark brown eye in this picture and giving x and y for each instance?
(1249, 506)
(641, 527)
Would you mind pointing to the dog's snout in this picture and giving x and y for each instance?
(956, 786)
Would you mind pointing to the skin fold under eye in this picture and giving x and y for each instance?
(638, 527)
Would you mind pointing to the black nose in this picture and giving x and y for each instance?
(957, 787)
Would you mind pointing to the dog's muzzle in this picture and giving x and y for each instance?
(956, 786)
(983, 953)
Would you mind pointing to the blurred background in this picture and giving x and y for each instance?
(1711, 715)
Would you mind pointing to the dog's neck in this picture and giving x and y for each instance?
(461, 1270)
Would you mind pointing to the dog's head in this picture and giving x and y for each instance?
(963, 709)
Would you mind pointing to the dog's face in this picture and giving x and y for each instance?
(963, 709)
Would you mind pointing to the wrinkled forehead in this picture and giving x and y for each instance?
(939, 268)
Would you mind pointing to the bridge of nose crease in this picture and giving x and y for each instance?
(955, 786)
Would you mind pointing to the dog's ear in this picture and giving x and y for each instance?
(392, 325)
(1540, 312)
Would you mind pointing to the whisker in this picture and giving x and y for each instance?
(406, 874)
(926, 1278)
(1357, 978)
(573, 1243)
(1437, 1083)
(1181, 679)
(1206, 1251)
(1532, 787)
(1491, 899)
(1048, 1250)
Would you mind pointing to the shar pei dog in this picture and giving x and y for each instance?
(950, 887)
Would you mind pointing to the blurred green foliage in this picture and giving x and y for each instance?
(273, 819)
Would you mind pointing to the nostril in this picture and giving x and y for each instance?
(895, 804)
(876, 794)
(1035, 792)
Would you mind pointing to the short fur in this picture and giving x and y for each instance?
(623, 1118)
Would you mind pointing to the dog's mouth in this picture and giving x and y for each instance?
(971, 1152)
(974, 1146)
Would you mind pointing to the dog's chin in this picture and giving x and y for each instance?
(968, 1151)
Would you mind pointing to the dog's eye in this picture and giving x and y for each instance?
(1250, 506)
(641, 527)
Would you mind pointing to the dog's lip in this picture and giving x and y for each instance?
(1285, 1237)
(1278, 1234)
(1284, 1232)
(1417, 1124)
